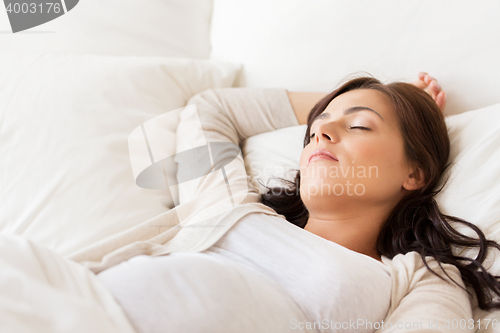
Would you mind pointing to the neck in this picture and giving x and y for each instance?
(353, 230)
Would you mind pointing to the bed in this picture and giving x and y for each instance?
(75, 90)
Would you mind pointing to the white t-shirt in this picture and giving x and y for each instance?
(264, 275)
(326, 280)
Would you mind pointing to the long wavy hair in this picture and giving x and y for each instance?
(416, 223)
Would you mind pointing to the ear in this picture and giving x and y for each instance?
(415, 179)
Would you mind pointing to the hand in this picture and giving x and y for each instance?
(431, 86)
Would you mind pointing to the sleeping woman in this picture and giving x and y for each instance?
(355, 243)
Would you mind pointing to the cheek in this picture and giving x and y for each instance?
(384, 153)
(384, 165)
(392, 159)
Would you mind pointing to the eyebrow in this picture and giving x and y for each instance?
(350, 110)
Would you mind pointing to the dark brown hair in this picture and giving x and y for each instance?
(416, 223)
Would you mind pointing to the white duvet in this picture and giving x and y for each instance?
(40, 291)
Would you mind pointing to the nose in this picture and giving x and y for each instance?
(326, 132)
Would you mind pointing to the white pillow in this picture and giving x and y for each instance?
(66, 179)
(265, 162)
(312, 45)
(473, 189)
(174, 28)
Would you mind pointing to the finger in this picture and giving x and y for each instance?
(441, 100)
(428, 79)
(435, 87)
(433, 94)
(420, 84)
(421, 75)
(436, 83)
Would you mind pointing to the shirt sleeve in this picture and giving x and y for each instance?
(211, 129)
(422, 302)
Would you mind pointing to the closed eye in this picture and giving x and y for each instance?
(360, 127)
(350, 127)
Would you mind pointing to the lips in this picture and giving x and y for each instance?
(323, 154)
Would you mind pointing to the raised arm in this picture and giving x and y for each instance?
(230, 116)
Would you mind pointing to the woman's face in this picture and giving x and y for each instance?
(360, 129)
